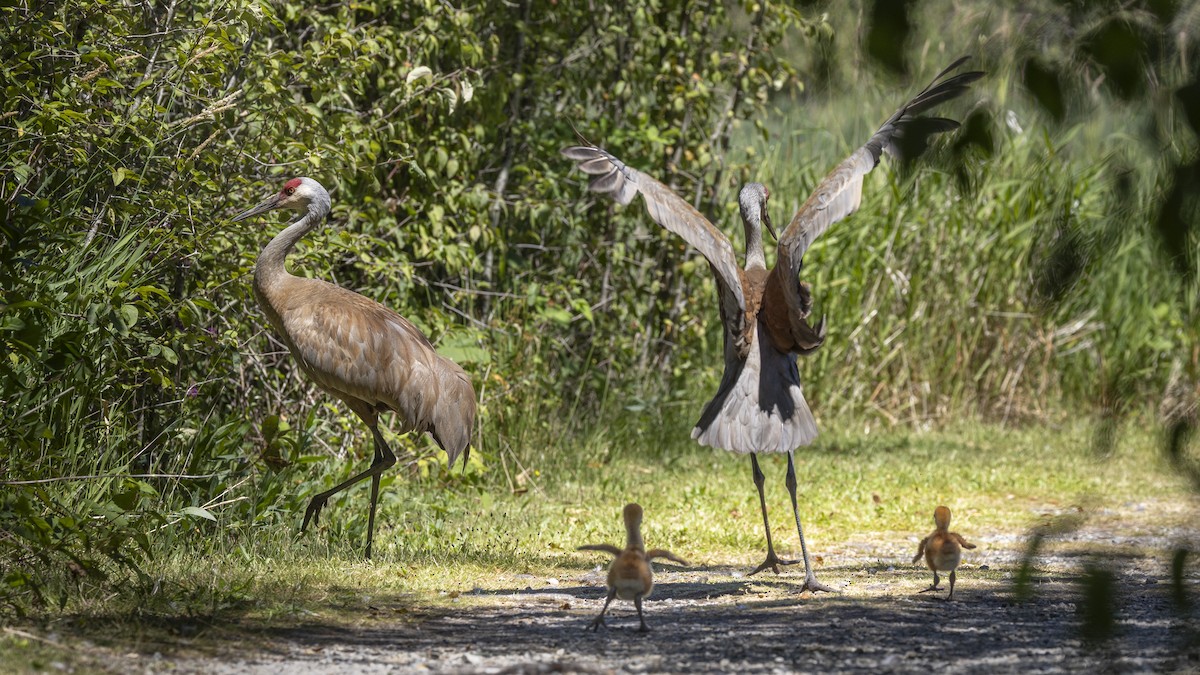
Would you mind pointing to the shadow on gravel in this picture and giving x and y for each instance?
(704, 627)
(662, 590)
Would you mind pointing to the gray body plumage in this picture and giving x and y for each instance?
(759, 406)
(356, 349)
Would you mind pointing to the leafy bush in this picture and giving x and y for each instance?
(134, 359)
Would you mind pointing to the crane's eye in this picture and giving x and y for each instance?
(290, 191)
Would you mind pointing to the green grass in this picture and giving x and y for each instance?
(432, 545)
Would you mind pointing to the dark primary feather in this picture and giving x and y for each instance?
(840, 193)
(906, 117)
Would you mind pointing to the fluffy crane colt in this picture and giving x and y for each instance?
(629, 575)
(942, 549)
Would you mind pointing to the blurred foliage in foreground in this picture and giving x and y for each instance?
(1043, 263)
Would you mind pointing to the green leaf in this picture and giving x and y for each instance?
(127, 499)
(129, 315)
(270, 427)
(198, 512)
(463, 349)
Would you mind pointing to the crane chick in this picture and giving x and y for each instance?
(630, 576)
(942, 549)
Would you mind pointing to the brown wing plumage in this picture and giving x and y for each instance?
(613, 177)
(921, 549)
(606, 548)
(664, 553)
(840, 193)
(360, 350)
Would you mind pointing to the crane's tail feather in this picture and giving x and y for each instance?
(759, 406)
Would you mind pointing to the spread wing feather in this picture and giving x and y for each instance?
(840, 193)
(664, 553)
(613, 177)
(606, 548)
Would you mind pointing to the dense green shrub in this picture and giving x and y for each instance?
(138, 376)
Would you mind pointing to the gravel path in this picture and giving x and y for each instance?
(713, 619)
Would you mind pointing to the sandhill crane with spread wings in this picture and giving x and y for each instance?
(759, 406)
(356, 349)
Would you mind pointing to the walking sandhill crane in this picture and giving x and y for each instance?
(942, 549)
(361, 352)
(630, 576)
(759, 406)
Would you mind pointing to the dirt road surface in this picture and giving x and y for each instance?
(711, 618)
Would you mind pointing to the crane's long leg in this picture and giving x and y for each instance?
(951, 585)
(810, 577)
(773, 561)
(389, 459)
(384, 459)
(599, 620)
(637, 602)
(934, 586)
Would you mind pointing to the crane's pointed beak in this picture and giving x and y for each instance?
(766, 218)
(270, 203)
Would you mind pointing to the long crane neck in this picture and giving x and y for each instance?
(270, 267)
(755, 258)
(752, 200)
(633, 535)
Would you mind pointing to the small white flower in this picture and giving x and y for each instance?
(1010, 118)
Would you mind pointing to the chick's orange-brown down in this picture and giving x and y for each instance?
(361, 352)
(942, 549)
(630, 576)
(759, 406)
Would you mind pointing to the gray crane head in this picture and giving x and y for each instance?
(298, 194)
(752, 201)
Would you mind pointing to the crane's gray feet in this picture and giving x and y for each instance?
(811, 584)
(643, 628)
(596, 623)
(773, 561)
(934, 587)
(313, 512)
